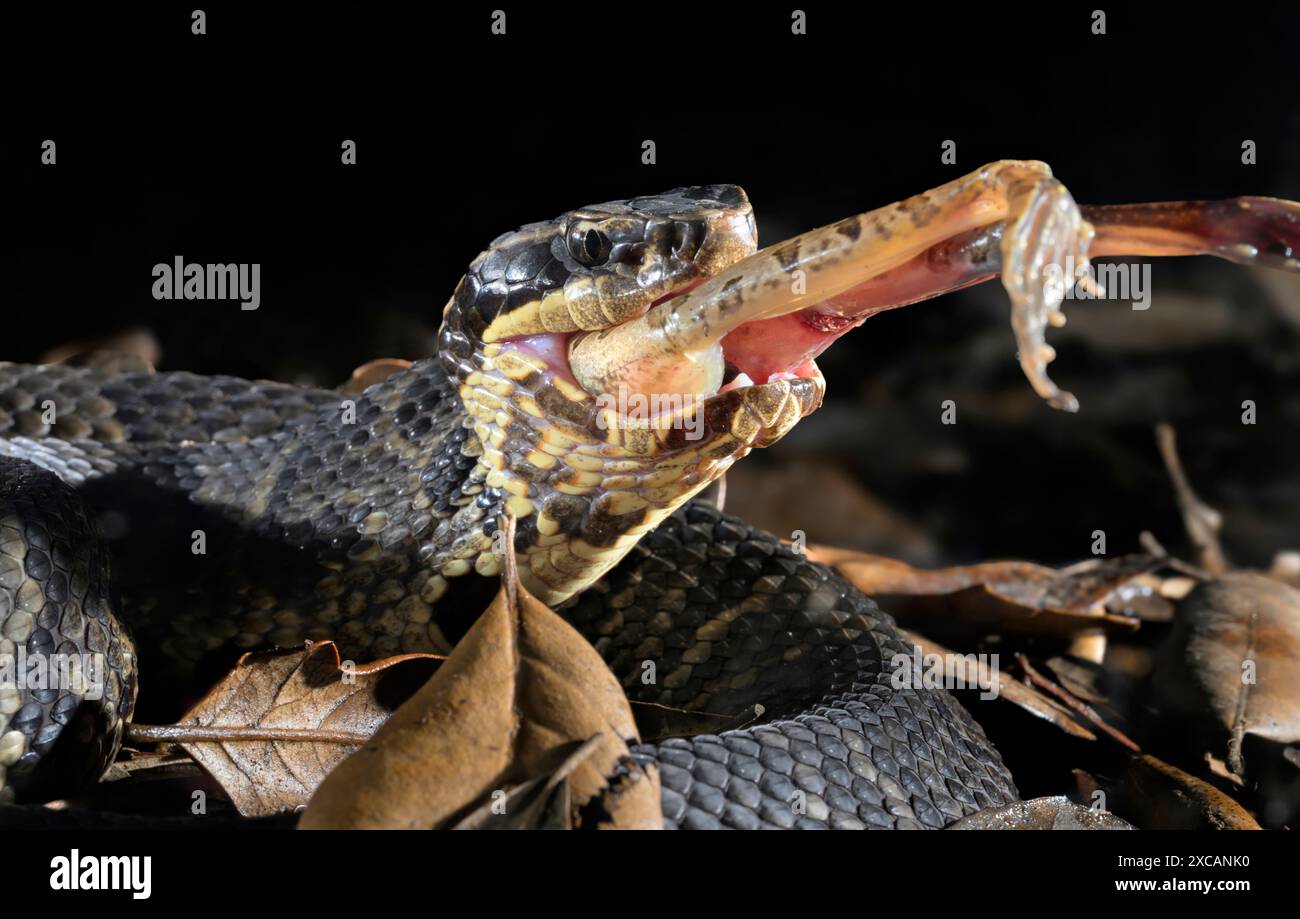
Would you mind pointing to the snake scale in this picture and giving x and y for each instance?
(161, 523)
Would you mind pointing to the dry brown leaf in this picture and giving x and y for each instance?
(1055, 813)
(541, 803)
(1171, 799)
(1286, 567)
(518, 690)
(1234, 658)
(372, 372)
(130, 349)
(280, 721)
(1001, 596)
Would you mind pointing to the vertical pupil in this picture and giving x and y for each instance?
(592, 243)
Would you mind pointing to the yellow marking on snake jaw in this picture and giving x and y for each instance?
(768, 405)
(552, 438)
(478, 398)
(638, 441)
(665, 475)
(566, 562)
(518, 365)
(524, 319)
(541, 460)
(554, 312)
(745, 426)
(585, 550)
(583, 462)
(566, 489)
(570, 391)
(624, 466)
(621, 502)
(529, 406)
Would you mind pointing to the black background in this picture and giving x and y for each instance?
(225, 147)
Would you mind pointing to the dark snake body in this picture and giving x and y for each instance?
(217, 515)
(289, 556)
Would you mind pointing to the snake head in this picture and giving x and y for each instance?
(587, 472)
(601, 265)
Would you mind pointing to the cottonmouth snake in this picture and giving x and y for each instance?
(215, 515)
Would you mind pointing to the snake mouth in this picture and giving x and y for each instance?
(770, 350)
(782, 347)
(757, 352)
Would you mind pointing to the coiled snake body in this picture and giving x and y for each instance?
(215, 515)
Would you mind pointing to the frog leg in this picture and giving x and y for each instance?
(1042, 227)
(769, 315)
(1247, 230)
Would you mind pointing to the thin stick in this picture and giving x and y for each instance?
(1201, 521)
(187, 733)
(1073, 703)
(1153, 547)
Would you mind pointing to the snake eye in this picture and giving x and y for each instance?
(588, 246)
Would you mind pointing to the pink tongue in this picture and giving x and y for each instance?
(782, 345)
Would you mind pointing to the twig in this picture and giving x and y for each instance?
(193, 733)
(1073, 703)
(1201, 521)
(1152, 545)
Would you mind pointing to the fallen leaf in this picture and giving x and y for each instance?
(1001, 596)
(1055, 813)
(1171, 799)
(541, 803)
(1081, 678)
(280, 721)
(505, 708)
(1233, 660)
(372, 372)
(131, 349)
(1286, 567)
